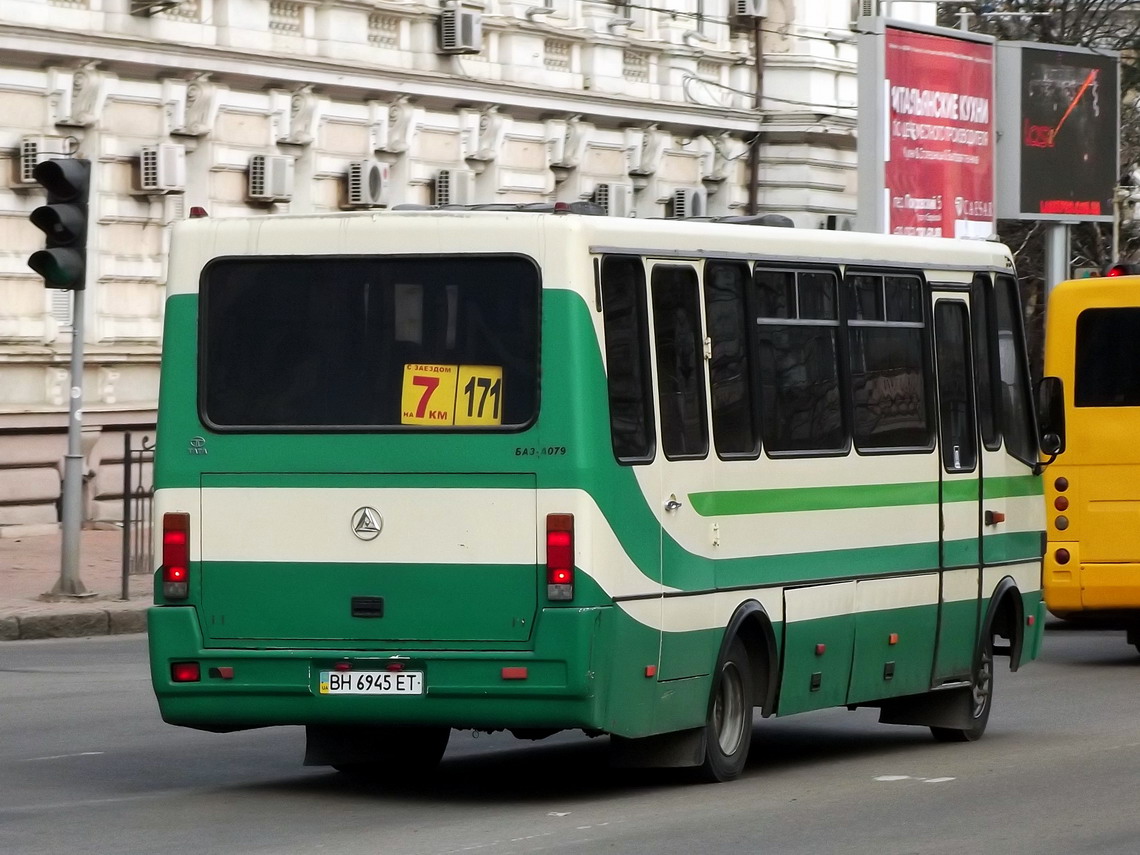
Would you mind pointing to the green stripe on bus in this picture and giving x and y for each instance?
(1011, 486)
(813, 499)
(960, 491)
(787, 500)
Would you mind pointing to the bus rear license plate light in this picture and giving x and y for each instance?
(559, 592)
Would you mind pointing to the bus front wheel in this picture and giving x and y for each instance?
(982, 693)
(728, 729)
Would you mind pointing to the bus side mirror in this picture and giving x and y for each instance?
(1051, 417)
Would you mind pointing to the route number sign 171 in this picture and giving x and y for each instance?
(447, 395)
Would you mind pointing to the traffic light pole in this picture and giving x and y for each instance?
(69, 583)
(63, 265)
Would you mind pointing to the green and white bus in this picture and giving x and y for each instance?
(424, 470)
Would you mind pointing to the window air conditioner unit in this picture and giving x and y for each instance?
(35, 150)
(460, 31)
(616, 199)
(454, 187)
(271, 178)
(687, 202)
(162, 168)
(750, 8)
(367, 183)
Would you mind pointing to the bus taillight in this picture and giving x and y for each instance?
(185, 672)
(560, 556)
(175, 556)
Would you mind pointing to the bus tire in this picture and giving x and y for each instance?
(728, 728)
(982, 693)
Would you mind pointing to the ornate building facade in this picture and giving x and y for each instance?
(683, 107)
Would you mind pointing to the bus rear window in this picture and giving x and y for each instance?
(367, 343)
(1108, 349)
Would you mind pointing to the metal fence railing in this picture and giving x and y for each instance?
(138, 509)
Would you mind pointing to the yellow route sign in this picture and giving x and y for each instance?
(446, 395)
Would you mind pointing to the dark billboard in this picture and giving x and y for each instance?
(1068, 135)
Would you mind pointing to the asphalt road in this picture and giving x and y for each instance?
(87, 766)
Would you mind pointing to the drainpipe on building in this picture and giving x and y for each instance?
(754, 149)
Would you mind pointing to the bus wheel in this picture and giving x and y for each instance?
(728, 730)
(983, 696)
(395, 754)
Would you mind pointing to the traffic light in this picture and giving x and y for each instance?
(63, 263)
(1123, 269)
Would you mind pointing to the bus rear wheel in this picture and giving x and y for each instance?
(728, 729)
(982, 693)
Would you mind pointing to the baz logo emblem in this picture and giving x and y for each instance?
(367, 523)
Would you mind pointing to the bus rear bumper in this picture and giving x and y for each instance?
(1109, 590)
(242, 688)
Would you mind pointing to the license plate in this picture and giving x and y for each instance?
(372, 683)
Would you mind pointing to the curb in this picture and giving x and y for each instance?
(122, 620)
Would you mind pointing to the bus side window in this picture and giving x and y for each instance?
(627, 359)
(985, 366)
(1016, 403)
(888, 361)
(797, 341)
(680, 361)
(735, 427)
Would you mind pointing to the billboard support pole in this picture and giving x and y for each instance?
(1056, 255)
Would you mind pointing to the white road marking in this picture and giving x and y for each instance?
(890, 778)
(64, 756)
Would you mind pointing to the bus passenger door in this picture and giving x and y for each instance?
(960, 491)
(679, 356)
(1013, 513)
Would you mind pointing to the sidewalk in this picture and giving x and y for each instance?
(30, 569)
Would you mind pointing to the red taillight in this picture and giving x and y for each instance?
(1062, 555)
(560, 556)
(1061, 503)
(185, 672)
(176, 556)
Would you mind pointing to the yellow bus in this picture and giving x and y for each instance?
(1092, 489)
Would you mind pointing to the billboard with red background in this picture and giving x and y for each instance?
(939, 174)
